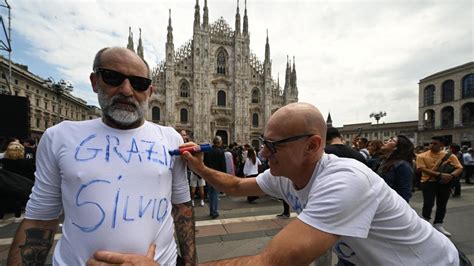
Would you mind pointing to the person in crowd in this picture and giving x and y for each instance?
(335, 145)
(113, 177)
(468, 159)
(340, 203)
(197, 182)
(214, 159)
(251, 169)
(30, 149)
(435, 184)
(15, 162)
(396, 165)
(5, 144)
(456, 184)
(373, 147)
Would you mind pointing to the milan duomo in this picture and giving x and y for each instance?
(215, 85)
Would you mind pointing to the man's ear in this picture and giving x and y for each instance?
(314, 143)
(93, 79)
(150, 90)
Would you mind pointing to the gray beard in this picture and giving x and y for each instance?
(122, 116)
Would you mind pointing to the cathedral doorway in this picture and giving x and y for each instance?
(225, 138)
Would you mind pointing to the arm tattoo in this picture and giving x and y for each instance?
(183, 215)
(35, 250)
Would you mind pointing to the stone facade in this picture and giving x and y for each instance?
(46, 106)
(446, 105)
(215, 85)
(380, 131)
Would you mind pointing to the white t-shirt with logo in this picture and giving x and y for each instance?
(376, 226)
(115, 186)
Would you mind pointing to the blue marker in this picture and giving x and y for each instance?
(195, 149)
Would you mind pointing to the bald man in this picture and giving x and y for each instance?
(112, 177)
(340, 202)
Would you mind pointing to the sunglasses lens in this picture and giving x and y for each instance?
(112, 78)
(139, 83)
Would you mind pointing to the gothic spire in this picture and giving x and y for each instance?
(329, 120)
(246, 21)
(293, 75)
(140, 45)
(267, 50)
(237, 20)
(197, 16)
(278, 81)
(287, 73)
(169, 37)
(205, 16)
(130, 39)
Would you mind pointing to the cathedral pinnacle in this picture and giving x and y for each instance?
(205, 16)
(246, 21)
(130, 39)
(267, 50)
(140, 44)
(237, 20)
(197, 16)
(293, 75)
(169, 37)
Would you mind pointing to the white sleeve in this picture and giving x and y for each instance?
(180, 186)
(269, 184)
(45, 199)
(344, 203)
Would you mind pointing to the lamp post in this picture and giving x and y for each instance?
(377, 116)
(60, 87)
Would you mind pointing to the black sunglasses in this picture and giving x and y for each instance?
(115, 78)
(271, 145)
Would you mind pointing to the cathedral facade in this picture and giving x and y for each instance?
(214, 84)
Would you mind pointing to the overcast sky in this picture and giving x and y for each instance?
(352, 57)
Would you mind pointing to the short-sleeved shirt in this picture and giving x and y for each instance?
(116, 188)
(431, 160)
(376, 226)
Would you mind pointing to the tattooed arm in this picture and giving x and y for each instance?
(183, 215)
(32, 242)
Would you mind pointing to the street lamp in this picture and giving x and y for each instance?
(59, 88)
(377, 117)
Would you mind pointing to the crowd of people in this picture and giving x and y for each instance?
(125, 200)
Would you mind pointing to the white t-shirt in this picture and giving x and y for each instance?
(115, 186)
(376, 226)
(251, 168)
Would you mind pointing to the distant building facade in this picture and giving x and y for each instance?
(446, 105)
(214, 85)
(380, 131)
(46, 106)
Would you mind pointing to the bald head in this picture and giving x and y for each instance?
(297, 119)
(107, 51)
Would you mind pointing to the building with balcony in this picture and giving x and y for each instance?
(446, 105)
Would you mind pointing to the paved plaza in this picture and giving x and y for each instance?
(245, 229)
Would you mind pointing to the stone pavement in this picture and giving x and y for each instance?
(245, 229)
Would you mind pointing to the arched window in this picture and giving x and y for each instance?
(221, 98)
(155, 113)
(429, 119)
(255, 120)
(184, 89)
(183, 116)
(221, 62)
(429, 95)
(468, 86)
(447, 93)
(447, 117)
(255, 95)
(467, 113)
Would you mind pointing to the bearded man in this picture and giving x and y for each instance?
(113, 178)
